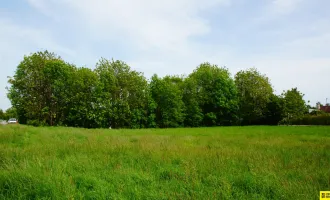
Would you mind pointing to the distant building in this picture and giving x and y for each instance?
(325, 108)
(320, 107)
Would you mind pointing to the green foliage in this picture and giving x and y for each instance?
(58, 81)
(319, 113)
(193, 112)
(2, 114)
(274, 110)
(36, 123)
(191, 163)
(311, 120)
(45, 90)
(10, 113)
(294, 104)
(85, 108)
(210, 97)
(255, 92)
(167, 95)
(38, 88)
(124, 94)
(314, 118)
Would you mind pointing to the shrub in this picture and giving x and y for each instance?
(36, 123)
(310, 120)
(285, 121)
(319, 112)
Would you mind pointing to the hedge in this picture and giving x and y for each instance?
(311, 120)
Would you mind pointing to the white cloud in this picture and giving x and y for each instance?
(164, 25)
(41, 6)
(159, 33)
(17, 37)
(285, 6)
(311, 46)
(316, 42)
(275, 9)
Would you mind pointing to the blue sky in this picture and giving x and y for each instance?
(288, 40)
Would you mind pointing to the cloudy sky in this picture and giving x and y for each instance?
(288, 40)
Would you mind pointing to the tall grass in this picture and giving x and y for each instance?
(201, 163)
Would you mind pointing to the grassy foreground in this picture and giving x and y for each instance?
(202, 163)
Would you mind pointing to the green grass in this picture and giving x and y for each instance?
(202, 163)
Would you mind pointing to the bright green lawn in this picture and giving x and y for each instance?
(203, 163)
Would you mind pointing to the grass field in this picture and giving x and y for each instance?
(202, 163)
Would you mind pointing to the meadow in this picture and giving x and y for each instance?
(260, 162)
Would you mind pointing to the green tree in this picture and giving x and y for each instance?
(210, 96)
(124, 93)
(274, 111)
(2, 114)
(28, 87)
(39, 88)
(294, 104)
(10, 113)
(193, 111)
(58, 84)
(255, 92)
(85, 107)
(167, 96)
(150, 110)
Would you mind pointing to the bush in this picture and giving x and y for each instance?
(285, 121)
(319, 112)
(309, 120)
(36, 123)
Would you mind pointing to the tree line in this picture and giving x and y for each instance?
(46, 90)
(8, 114)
